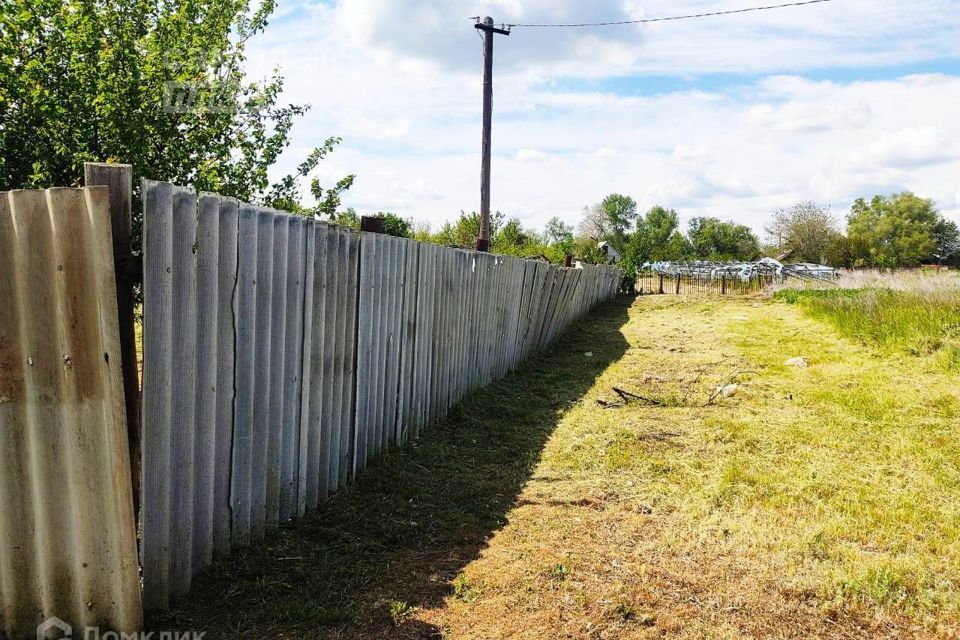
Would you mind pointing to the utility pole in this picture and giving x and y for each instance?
(483, 243)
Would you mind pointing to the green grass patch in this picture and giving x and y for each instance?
(913, 322)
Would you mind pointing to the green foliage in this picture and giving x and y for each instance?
(610, 220)
(466, 230)
(560, 235)
(394, 225)
(839, 252)
(587, 251)
(348, 218)
(898, 230)
(400, 611)
(806, 232)
(286, 193)
(656, 238)
(713, 239)
(155, 84)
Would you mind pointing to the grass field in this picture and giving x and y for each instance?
(806, 502)
(916, 322)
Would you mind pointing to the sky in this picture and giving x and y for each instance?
(732, 116)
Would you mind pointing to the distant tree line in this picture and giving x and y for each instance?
(888, 231)
(899, 230)
(657, 235)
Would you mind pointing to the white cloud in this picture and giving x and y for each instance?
(400, 81)
(531, 155)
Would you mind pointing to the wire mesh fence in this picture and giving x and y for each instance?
(652, 283)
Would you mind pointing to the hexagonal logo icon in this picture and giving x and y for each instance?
(54, 629)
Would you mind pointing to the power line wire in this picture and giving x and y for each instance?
(669, 18)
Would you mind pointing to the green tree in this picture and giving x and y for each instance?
(839, 253)
(155, 84)
(896, 231)
(610, 220)
(946, 237)
(349, 218)
(655, 238)
(394, 225)
(511, 235)
(560, 235)
(804, 232)
(466, 230)
(714, 239)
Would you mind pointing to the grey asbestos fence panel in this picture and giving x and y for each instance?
(293, 363)
(407, 336)
(445, 335)
(385, 372)
(396, 340)
(274, 424)
(157, 380)
(331, 427)
(245, 369)
(305, 365)
(325, 311)
(263, 407)
(463, 334)
(375, 369)
(430, 355)
(393, 360)
(349, 336)
(313, 406)
(424, 333)
(479, 337)
(441, 338)
(341, 428)
(228, 221)
(207, 250)
(183, 387)
(364, 329)
(473, 304)
(390, 283)
(408, 387)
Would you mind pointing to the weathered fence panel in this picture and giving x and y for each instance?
(67, 529)
(283, 354)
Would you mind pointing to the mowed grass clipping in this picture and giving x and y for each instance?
(914, 322)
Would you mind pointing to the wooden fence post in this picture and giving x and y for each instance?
(723, 285)
(678, 284)
(660, 288)
(129, 271)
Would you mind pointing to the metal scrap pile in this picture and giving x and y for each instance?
(743, 270)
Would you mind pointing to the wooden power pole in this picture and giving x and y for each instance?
(486, 26)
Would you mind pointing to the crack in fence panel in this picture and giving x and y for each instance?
(67, 529)
(283, 354)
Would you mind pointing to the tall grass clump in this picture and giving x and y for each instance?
(915, 322)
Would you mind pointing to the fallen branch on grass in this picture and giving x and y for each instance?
(626, 398)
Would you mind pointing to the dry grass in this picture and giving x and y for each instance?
(819, 502)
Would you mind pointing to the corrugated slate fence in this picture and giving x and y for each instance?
(67, 530)
(282, 354)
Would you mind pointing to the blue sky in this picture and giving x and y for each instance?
(733, 116)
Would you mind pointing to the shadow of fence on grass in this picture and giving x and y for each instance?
(416, 517)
